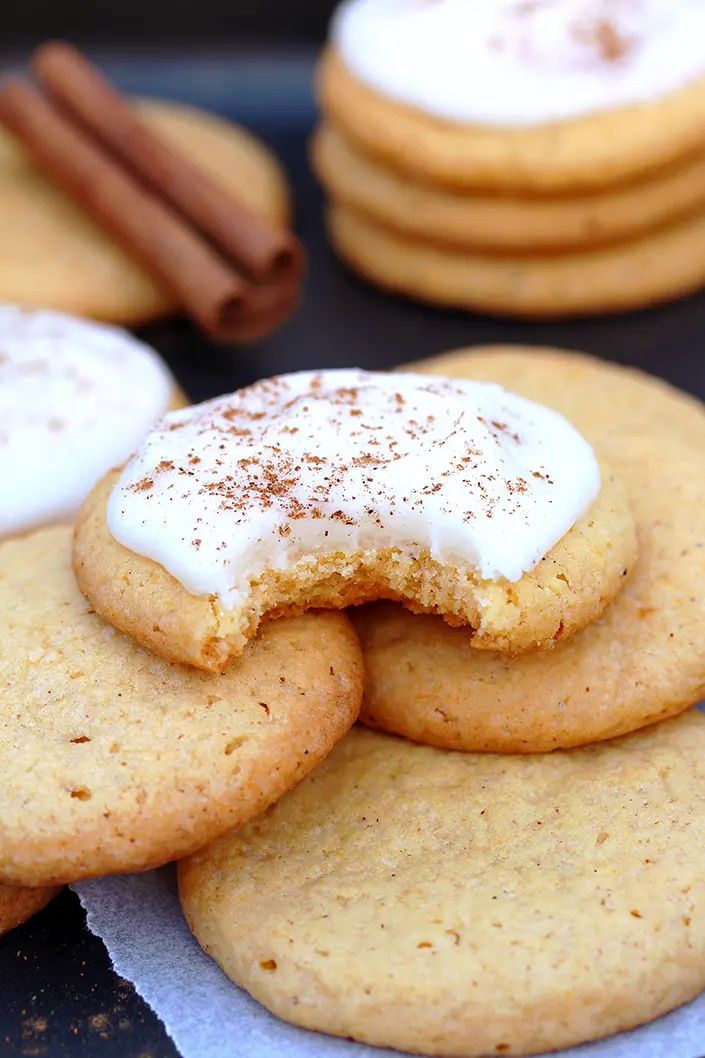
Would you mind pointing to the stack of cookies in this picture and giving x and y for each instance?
(504, 587)
(527, 159)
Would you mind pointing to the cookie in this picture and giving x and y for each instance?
(454, 498)
(598, 397)
(468, 905)
(113, 760)
(664, 264)
(18, 905)
(472, 220)
(518, 98)
(76, 398)
(642, 662)
(52, 255)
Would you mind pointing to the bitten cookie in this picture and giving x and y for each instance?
(643, 661)
(646, 270)
(468, 905)
(462, 219)
(598, 397)
(113, 760)
(17, 905)
(76, 398)
(518, 97)
(334, 488)
(51, 254)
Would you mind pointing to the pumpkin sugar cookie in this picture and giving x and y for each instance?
(114, 761)
(469, 220)
(598, 397)
(18, 905)
(76, 398)
(645, 270)
(521, 159)
(643, 661)
(514, 97)
(468, 905)
(334, 488)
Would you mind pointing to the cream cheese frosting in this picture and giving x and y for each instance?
(76, 398)
(345, 461)
(521, 62)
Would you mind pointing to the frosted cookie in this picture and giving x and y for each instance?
(468, 905)
(51, 254)
(466, 219)
(18, 905)
(113, 760)
(516, 96)
(661, 265)
(334, 488)
(643, 661)
(598, 397)
(76, 399)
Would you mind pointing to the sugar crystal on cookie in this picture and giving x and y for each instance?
(319, 463)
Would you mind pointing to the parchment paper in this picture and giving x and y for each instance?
(139, 919)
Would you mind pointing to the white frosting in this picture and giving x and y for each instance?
(76, 399)
(340, 461)
(522, 62)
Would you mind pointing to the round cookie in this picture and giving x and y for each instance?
(644, 660)
(665, 264)
(585, 153)
(51, 254)
(113, 760)
(76, 398)
(453, 218)
(18, 905)
(598, 397)
(239, 509)
(468, 905)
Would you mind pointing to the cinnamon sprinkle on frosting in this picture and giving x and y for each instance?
(277, 472)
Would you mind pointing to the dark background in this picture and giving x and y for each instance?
(251, 60)
(229, 22)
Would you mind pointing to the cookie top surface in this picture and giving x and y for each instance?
(113, 760)
(518, 64)
(642, 661)
(17, 905)
(76, 398)
(600, 398)
(468, 905)
(52, 254)
(317, 462)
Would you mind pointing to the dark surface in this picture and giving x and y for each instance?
(58, 993)
(158, 21)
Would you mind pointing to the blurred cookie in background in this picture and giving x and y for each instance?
(525, 160)
(76, 398)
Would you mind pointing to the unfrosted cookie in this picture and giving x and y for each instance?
(597, 396)
(664, 264)
(643, 661)
(113, 760)
(335, 488)
(516, 96)
(17, 905)
(51, 253)
(76, 398)
(466, 219)
(468, 905)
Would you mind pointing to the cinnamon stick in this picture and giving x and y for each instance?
(266, 255)
(234, 276)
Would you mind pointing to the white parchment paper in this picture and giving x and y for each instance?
(139, 919)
